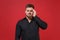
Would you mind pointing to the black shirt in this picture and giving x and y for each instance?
(29, 31)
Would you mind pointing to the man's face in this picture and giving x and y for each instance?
(29, 11)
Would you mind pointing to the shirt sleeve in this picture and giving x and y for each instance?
(18, 32)
(40, 23)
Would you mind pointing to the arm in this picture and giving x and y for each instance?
(18, 32)
(40, 23)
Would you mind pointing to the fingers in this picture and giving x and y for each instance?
(34, 13)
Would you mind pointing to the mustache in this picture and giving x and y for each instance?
(29, 13)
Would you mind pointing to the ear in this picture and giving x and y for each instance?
(25, 11)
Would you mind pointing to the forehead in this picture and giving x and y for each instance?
(29, 8)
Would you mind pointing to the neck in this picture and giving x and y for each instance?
(29, 19)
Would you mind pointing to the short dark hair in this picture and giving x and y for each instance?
(30, 5)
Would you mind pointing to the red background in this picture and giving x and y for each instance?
(13, 10)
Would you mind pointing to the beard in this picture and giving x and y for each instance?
(30, 17)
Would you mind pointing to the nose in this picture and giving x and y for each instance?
(29, 13)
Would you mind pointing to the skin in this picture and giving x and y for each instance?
(30, 12)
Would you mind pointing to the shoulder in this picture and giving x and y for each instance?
(20, 21)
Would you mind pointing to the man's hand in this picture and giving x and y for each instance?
(34, 13)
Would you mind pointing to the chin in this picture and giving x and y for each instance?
(30, 16)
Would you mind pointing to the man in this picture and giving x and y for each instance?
(28, 27)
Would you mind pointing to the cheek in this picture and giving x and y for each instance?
(26, 14)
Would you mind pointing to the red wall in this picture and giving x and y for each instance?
(13, 10)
